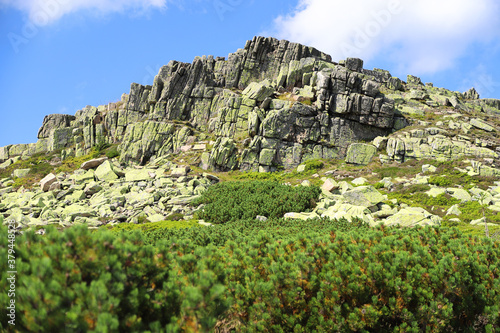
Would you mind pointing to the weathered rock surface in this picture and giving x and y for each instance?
(47, 181)
(478, 123)
(21, 173)
(94, 163)
(235, 99)
(360, 153)
(53, 122)
(270, 103)
(106, 172)
(432, 143)
(366, 196)
(412, 216)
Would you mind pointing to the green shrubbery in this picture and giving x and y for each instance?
(112, 152)
(378, 281)
(241, 230)
(397, 171)
(473, 210)
(314, 165)
(78, 281)
(373, 280)
(231, 201)
(442, 181)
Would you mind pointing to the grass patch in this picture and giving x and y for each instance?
(473, 210)
(290, 176)
(436, 205)
(396, 170)
(73, 163)
(39, 165)
(454, 177)
(112, 152)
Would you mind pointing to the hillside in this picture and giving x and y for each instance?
(271, 106)
(272, 191)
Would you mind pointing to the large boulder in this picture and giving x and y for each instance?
(94, 163)
(75, 210)
(478, 123)
(21, 173)
(348, 212)
(139, 199)
(459, 193)
(83, 177)
(4, 153)
(412, 216)
(329, 185)
(366, 196)
(137, 175)
(6, 164)
(105, 172)
(180, 171)
(92, 188)
(47, 181)
(360, 153)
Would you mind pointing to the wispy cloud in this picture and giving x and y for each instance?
(43, 12)
(422, 36)
(481, 79)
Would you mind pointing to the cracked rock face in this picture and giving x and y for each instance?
(272, 103)
(54, 121)
(291, 101)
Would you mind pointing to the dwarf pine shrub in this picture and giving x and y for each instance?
(360, 279)
(232, 201)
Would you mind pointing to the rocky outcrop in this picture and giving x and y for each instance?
(432, 143)
(251, 98)
(53, 122)
(272, 103)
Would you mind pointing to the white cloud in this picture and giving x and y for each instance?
(422, 36)
(43, 12)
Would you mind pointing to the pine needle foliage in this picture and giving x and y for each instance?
(356, 279)
(232, 201)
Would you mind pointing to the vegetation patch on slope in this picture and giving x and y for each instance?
(232, 201)
(382, 279)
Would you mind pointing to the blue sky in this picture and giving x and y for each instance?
(57, 56)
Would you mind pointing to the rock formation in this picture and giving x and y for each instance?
(271, 103)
